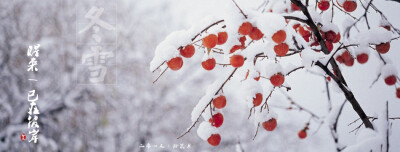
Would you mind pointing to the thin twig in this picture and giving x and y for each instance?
(376, 80)
(159, 66)
(258, 126)
(205, 29)
(266, 101)
(241, 11)
(160, 75)
(298, 68)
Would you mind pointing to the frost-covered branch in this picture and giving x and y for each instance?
(208, 104)
(335, 113)
(198, 34)
(347, 31)
(312, 37)
(339, 79)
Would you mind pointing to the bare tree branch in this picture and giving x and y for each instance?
(209, 103)
(339, 79)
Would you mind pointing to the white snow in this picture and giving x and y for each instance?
(388, 70)
(205, 130)
(264, 115)
(328, 26)
(373, 36)
(168, 48)
(361, 49)
(333, 114)
(272, 69)
(309, 57)
(367, 140)
(250, 88)
(263, 22)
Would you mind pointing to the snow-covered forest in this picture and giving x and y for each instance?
(149, 105)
